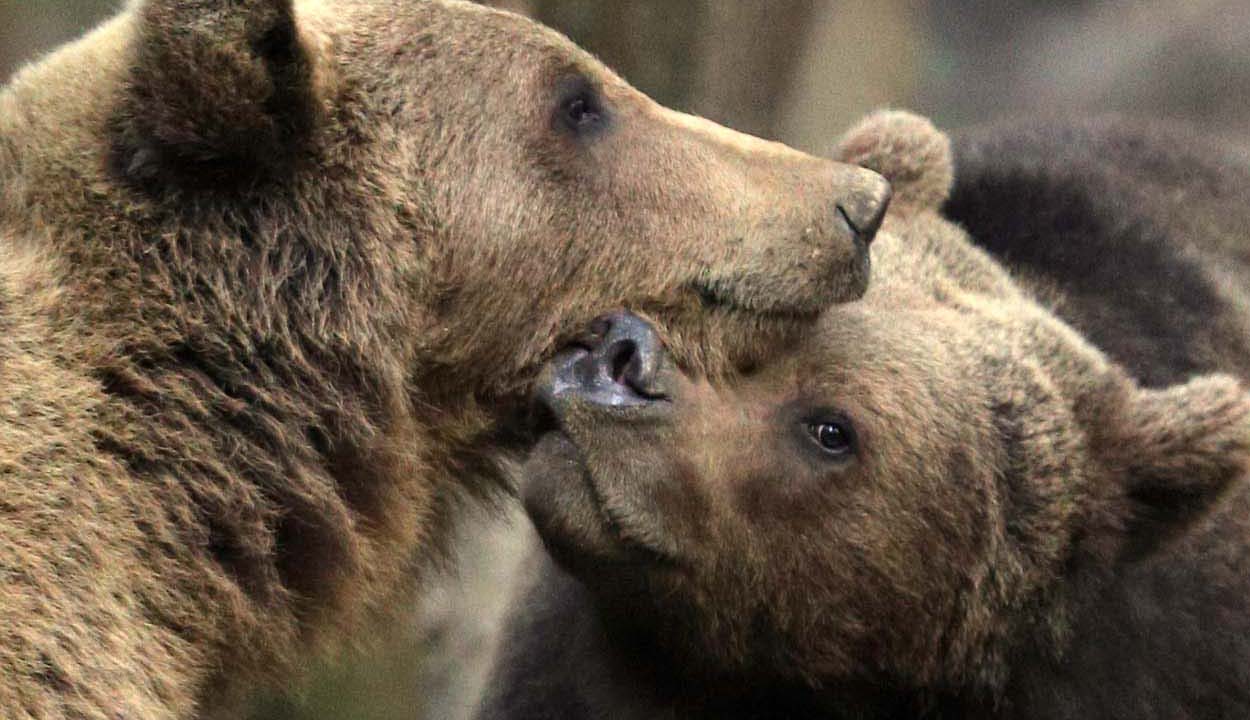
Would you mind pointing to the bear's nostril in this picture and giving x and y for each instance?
(622, 362)
(619, 365)
(864, 209)
(599, 329)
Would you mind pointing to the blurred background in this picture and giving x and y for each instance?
(800, 71)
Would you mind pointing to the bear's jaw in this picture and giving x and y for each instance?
(574, 518)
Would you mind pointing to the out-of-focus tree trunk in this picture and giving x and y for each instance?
(652, 43)
(748, 52)
(28, 27)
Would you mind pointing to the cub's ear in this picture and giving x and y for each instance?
(219, 90)
(1179, 450)
(909, 151)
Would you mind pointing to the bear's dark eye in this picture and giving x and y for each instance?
(580, 110)
(835, 437)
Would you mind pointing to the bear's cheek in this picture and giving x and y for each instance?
(896, 556)
(778, 480)
(740, 459)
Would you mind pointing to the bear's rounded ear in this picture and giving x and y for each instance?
(219, 91)
(1178, 450)
(908, 151)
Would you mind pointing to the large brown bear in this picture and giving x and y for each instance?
(946, 504)
(275, 277)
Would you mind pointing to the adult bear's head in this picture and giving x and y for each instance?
(504, 185)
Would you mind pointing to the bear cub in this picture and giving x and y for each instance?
(944, 503)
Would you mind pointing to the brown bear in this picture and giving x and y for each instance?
(945, 503)
(275, 279)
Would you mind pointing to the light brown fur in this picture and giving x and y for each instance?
(273, 280)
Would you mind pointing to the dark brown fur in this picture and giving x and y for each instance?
(1138, 230)
(274, 277)
(1023, 531)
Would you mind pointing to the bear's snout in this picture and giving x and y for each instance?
(619, 364)
(863, 208)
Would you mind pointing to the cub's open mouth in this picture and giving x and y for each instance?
(543, 419)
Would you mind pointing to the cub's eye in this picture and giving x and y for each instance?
(581, 110)
(834, 437)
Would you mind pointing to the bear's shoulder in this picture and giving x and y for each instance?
(1170, 638)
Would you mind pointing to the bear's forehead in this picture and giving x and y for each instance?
(423, 34)
(890, 357)
(865, 338)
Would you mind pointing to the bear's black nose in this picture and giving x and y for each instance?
(863, 208)
(619, 363)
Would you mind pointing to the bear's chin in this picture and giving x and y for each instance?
(561, 498)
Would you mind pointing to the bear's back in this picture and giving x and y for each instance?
(1142, 232)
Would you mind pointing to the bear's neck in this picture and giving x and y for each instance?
(254, 365)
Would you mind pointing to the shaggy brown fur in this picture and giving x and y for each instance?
(1145, 231)
(273, 278)
(989, 520)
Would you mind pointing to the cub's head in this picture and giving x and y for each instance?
(896, 498)
(901, 498)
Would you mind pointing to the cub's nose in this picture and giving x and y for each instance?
(630, 355)
(864, 204)
(620, 364)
